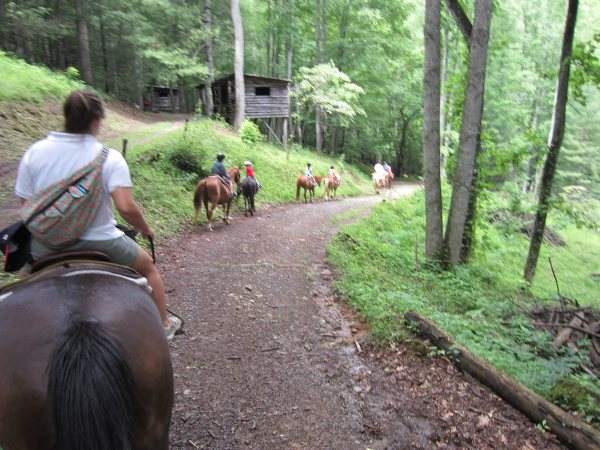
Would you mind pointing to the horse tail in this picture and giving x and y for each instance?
(198, 194)
(90, 390)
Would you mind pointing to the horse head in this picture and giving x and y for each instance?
(234, 173)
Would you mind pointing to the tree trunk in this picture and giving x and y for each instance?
(533, 161)
(240, 97)
(104, 53)
(445, 101)
(431, 132)
(318, 33)
(559, 116)
(208, 46)
(470, 131)
(318, 129)
(84, 42)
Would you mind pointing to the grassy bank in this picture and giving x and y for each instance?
(28, 83)
(166, 191)
(484, 305)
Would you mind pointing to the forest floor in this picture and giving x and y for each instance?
(271, 358)
(22, 124)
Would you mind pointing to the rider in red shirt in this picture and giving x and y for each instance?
(250, 172)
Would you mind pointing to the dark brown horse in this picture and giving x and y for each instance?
(249, 188)
(304, 182)
(85, 363)
(213, 191)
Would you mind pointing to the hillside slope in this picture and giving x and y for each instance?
(30, 106)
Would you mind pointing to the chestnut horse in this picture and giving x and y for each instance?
(331, 185)
(379, 181)
(308, 185)
(85, 362)
(212, 191)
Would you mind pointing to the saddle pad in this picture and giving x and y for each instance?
(75, 268)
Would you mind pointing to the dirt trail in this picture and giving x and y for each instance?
(269, 359)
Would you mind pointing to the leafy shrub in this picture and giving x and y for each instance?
(73, 74)
(250, 134)
(188, 158)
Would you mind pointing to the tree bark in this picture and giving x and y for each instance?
(462, 20)
(533, 161)
(104, 52)
(318, 129)
(240, 97)
(470, 131)
(570, 430)
(84, 42)
(208, 47)
(559, 116)
(431, 132)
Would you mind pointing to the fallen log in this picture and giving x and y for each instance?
(563, 335)
(569, 429)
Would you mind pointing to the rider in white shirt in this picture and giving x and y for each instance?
(57, 157)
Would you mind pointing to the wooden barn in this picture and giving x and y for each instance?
(266, 97)
(162, 99)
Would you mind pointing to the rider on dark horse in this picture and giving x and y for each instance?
(57, 157)
(218, 168)
(250, 172)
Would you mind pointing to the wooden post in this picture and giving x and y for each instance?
(285, 137)
(124, 150)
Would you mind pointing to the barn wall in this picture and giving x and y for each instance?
(275, 105)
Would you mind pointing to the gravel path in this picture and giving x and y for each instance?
(270, 357)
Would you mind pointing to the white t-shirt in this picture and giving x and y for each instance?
(59, 156)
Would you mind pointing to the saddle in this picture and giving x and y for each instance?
(68, 264)
(227, 183)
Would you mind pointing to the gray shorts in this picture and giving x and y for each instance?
(122, 250)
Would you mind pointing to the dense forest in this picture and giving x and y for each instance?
(493, 104)
(123, 47)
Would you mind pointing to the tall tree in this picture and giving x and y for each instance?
(238, 31)
(84, 42)
(208, 49)
(559, 117)
(470, 131)
(431, 131)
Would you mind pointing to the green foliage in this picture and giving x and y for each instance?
(250, 133)
(580, 393)
(188, 158)
(72, 73)
(483, 305)
(24, 82)
(327, 88)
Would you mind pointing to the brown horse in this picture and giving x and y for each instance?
(331, 185)
(212, 191)
(85, 362)
(305, 183)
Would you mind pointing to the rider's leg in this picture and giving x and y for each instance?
(144, 265)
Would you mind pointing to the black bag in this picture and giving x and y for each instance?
(15, 243)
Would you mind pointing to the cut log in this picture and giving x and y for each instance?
(569, 429)
(563, 335)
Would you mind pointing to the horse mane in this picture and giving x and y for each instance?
(90, 388)
(234, 173)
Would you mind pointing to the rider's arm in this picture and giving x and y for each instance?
(129, 210)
